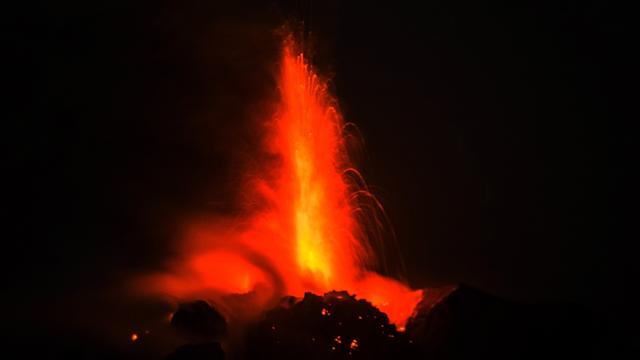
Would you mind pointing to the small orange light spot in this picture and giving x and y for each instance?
(338, 339)
(354, 344)
(325, 312)
(134, 337)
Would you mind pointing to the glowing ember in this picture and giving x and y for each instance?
(134, 337)
(305, 235)
(354, 344)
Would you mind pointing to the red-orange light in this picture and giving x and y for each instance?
(304, 235)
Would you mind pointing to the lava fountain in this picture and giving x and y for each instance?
(307, 234)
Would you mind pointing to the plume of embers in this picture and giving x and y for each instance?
(310, 223)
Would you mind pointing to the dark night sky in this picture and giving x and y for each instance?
(495, 135)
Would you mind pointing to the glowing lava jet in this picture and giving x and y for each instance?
(304, 234)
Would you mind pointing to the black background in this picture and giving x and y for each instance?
(495, 136)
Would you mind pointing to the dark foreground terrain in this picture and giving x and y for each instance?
(455, 322)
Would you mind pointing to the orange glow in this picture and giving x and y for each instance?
(307, 136)
(306, 234)
(354, 344)
(134, 337)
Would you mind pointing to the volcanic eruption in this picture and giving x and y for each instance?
(308, 216)
(182, 175)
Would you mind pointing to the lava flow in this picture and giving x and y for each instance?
(306, 235)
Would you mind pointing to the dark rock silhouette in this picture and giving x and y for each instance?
(333, 326)
(199, 321)
(454, 322)
(462, 323)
